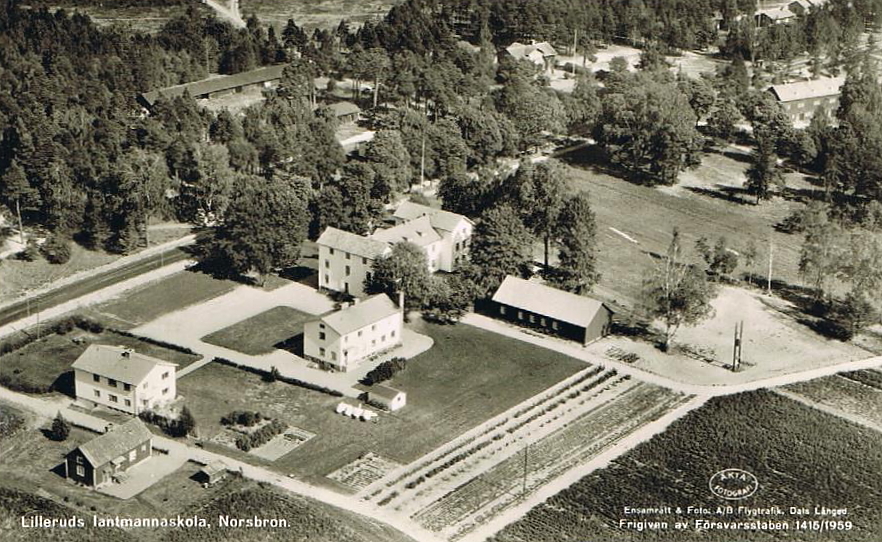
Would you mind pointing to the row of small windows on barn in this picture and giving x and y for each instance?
(532, 318)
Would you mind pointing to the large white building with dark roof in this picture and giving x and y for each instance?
(342, 339)
(346, 259)
(122, 379)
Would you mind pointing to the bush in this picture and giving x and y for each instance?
(56, 250)
(60, 327)
(180, 427)
(261, 436)
(384, 371)
(285, 379)
(242, 417)
(60, 428)
(29, 254)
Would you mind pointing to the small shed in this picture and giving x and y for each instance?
(213, 472)
(345, 111)
(387, 397)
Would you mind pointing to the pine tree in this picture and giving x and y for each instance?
(60, 428)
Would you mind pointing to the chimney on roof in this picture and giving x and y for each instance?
(127, 353)
(401, 299)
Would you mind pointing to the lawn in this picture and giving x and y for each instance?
(44, 365)
(648, 215)
(468, 376)
(845, 395)
(262, 333)
(800, 456)
(168, 295)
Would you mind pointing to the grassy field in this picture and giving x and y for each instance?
(647, 215)
(262, 333)
(11, 421)
(468, 376)
(800, 456)
(168, 295)
(44, 365)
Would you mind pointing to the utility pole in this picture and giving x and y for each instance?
(575, 48)
(771, 259)
(739, 341)
(524, 486)
(423, 159)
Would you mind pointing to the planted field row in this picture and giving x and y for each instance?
(581, 440)
(462, 443)
(845, 394)
(493, 447)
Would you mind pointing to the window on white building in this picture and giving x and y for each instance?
(348, 271)
(331, 251)
(327, 264)
(321, 335)
(348, 256)
(392, 334)
(96, 378)
(165, 391)
(97, 393)
(111, 382)
(113, 398)
(322, 352)
(128, 402)
(165, 375)
(364, 261)
(127, 387)
(334, 356)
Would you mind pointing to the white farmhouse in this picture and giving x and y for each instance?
(455, 231)
(122, 379)
(345, 260)
(342, 339)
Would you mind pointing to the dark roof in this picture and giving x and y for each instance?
(547, 301)
(216, 84)
(118, 441)
(117, 362)
(215, 467)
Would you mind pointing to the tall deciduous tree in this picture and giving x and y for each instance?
(501, 246)
(390, 160)
(261, 230)
(763, 172)
(404, 270)
(18, 192)
(576, 230)
(677, 292)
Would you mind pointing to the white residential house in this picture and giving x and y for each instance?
(455, 231)
(342, 339)
(122, 379)
(387, 397)
(345, 260)
(419, 232)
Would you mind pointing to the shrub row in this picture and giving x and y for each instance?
(180, 427)
(242, 417)
(16, 382)
(261, 436)
(60, 327)
(266, 374)
(155, 342)
(385, 371)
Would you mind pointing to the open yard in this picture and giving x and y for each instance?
(801, 458)
(261, 334)
(158, 298)
(44, 365)
(469, 376)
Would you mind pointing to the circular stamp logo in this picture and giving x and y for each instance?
(733, 484)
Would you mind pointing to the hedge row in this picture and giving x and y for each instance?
(59, 327)
(285, 379)
(246, 418)
(261, 436)
(155, 342)
(385, 371)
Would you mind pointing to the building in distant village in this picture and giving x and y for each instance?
(542, 54)
(345, 111)
(122, 379)
(803, 99)
(556, 312)
(346, 259)
(341, 340)
(107, 458)
(223, 85)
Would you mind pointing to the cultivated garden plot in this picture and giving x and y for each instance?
(758, 431)
(364, 471)
(854, 394)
